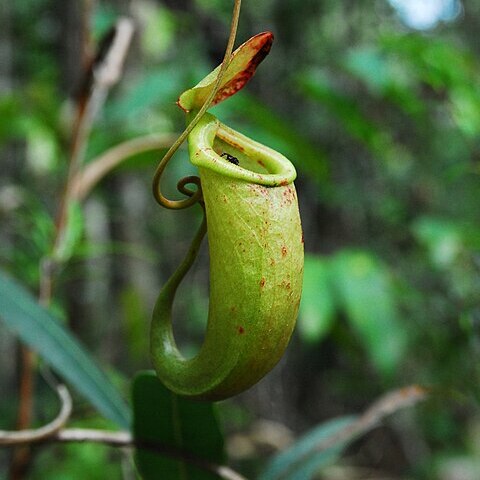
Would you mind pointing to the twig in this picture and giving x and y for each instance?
(122, 439)
(105, 73)
(25, 390)
(85, 180)
(178, 204)
(387, 404)
(21, 455)
(125, 439)
(21, 437)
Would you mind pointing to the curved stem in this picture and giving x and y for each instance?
(21, 437)
(124, 439)
(86, 180)
(187, 262)
(179, 204)
(387, 404)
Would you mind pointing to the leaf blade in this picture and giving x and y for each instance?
(161, 417)
(302, 460)
(43, 333)
(366, 294)
(243, 64)
(318, 306)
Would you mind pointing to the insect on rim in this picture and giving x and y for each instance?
(201, 140)
(230, 158)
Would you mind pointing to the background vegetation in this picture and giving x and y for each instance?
(378, 109)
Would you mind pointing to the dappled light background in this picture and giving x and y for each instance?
(377, 103)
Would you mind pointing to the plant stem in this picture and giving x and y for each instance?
(105, 72)
(21, 455)
(387, 404)
(26, 436)
(179, 204)
(125, 439)
(100, 166)
(104, 75)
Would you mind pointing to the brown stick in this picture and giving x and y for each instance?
(21, 455)
(27, 436)
(387, 404)
(105, 74)
(120, 439)
(85, 180)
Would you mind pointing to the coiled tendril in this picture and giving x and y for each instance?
(194, 196)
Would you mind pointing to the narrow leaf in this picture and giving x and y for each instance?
(38, 328)
(317, 308)
(301, 461)
(165, 419)
(324, 444)
(366, 294)
(243, 64)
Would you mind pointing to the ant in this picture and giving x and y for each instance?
(230, 158)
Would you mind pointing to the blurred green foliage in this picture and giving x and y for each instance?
(355, 283)
(77, 462)
(383, 125)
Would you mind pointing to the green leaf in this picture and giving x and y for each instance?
(442, 237)
(317, 308)
(158, 29)
(369, 65)
(243, 64)
(306, 457)
(15, 121)
(366, 294)
(322, 89)
(72, 234)
(155, 88)
(43, 333)
(466, 109)
(163, 418)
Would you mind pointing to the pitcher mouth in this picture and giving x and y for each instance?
(215, 146)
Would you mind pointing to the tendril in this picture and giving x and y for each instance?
(183, 182)
(195, 196)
